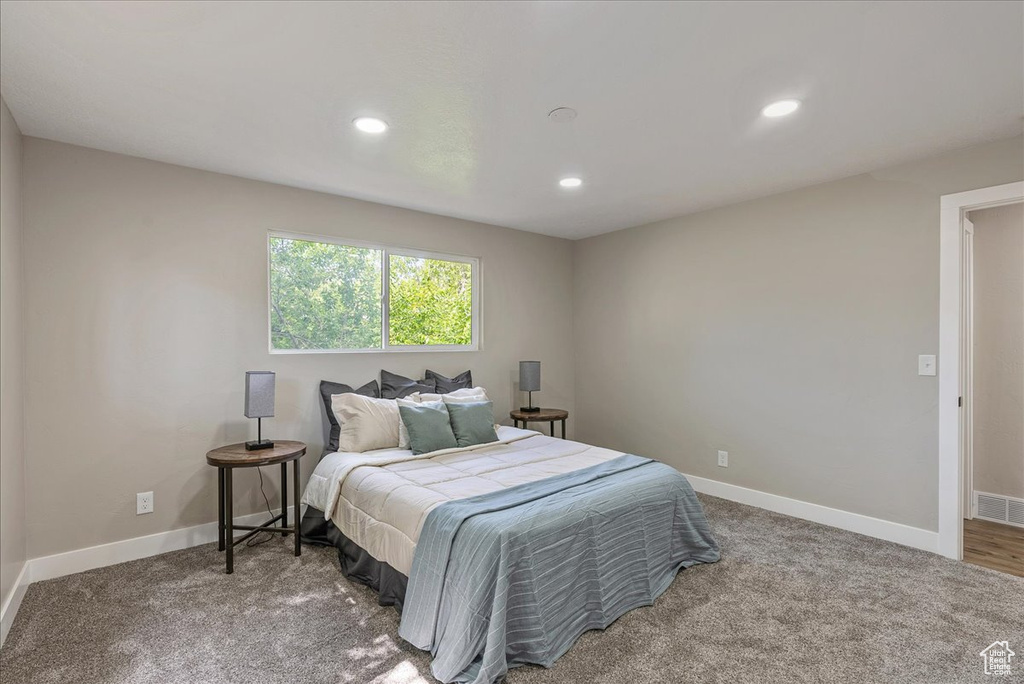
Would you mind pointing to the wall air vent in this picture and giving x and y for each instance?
(998, 508)
(1015, 515)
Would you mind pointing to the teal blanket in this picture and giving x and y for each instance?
(516, 576)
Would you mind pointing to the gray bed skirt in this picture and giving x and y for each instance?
(356, 564)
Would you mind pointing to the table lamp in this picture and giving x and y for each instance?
(259, 404)
(529, 381)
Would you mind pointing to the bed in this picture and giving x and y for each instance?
(503, 554)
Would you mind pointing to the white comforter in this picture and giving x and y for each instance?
(380, 499)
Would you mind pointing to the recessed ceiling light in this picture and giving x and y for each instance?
(781, 108)
(570, 182)
(368, 124)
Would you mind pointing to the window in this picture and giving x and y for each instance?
(330, 296)
(430, 301)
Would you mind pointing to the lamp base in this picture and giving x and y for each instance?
(261, 444)
(529, 409)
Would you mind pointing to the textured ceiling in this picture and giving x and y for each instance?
(668, 96)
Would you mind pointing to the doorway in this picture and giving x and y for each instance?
(992, 383)
(957, 367)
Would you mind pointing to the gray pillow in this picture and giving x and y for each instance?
(394, 386)
(428, 426)
(327, 388)
(446, 385)
(473, 423)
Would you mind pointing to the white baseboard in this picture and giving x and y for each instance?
(833, 517)
(80, 560)
(13, 601)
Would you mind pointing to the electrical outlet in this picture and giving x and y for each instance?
(723, 459)
(143, 503)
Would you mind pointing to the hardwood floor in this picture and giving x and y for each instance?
(994, 546)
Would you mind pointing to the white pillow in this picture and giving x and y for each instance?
(464, 399)
(366, 423)
(403, 432)
(459, 396)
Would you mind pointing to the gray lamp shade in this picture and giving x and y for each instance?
(259, 394)
(529, 376)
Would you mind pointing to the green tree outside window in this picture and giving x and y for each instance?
(325, 296)
(431, 301)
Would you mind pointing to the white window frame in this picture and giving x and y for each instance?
(385, 299)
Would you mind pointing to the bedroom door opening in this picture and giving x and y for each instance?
(992, 387)
(956, 358)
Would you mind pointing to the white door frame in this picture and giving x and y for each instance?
(952, 210)
(967, 368)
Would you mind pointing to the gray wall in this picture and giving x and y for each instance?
(999, 350)
(784, 330)
(147, 302)
(12, 362)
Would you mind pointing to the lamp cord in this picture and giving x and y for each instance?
(256, 540)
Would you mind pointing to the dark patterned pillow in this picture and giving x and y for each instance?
(327, 388)
(394, 386)
(446, 385)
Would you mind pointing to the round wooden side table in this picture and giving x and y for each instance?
(226, 459)
(545, 415)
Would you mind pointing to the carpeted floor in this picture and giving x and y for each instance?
(791, 601)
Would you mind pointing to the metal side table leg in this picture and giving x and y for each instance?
(220, 509)
(284, 499)
(229, 532)
(295, 484)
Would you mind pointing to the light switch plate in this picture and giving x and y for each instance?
(926, 364)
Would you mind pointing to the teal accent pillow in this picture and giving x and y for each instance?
(428, 426)
(473, 422)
